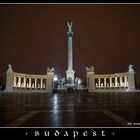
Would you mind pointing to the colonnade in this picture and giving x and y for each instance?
(29, 81)
(111, 81)
(18, 81)
(125, 81)
(117, 81)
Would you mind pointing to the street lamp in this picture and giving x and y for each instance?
(55, 79)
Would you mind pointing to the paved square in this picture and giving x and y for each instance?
(69, 109)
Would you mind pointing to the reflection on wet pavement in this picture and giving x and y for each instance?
(69, 109)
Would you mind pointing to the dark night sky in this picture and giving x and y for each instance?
(34, 36)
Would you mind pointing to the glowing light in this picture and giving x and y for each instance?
(79, 81)
(55, 78)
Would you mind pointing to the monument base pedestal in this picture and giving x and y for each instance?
(73, 86)
(70, 74)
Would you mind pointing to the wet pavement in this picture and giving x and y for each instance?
(74, 109)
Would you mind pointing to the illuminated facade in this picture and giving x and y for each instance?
(110, 82)
(46, 83)
(29, 82)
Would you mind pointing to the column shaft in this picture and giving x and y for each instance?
(35, 82)
(120, 81)
(29, 82)
(115, 81)
(19, 81)
(125, 80)
(99, 82)
(104, 82)
(15, 81)
(41, 83)
(24, 81)
(110, 81)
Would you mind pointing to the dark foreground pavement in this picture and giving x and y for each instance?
(75, 109)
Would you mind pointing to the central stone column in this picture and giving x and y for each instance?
(70, 72)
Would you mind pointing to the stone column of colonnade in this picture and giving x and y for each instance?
(110, 82)
(105, 82)
(116, 81)
(18, 82)
(125, 81)
(99, 82)
(14, 81)
(24, 82)
(29, 82)
(121, 82)
(35, 82)
(41, 83)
